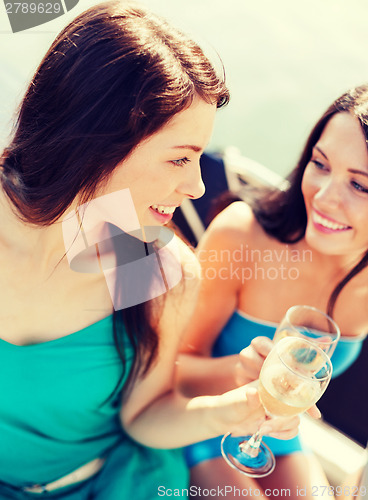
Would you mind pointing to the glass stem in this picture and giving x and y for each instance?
(251, 447)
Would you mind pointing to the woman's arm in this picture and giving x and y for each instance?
(222, 258)
(153, 403)
(158, 416)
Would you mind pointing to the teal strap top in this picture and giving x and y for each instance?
(58, 406)
(242, 328)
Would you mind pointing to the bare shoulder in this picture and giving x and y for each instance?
(235, 225)
(237, 215)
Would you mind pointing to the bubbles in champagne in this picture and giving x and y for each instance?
(285, 393)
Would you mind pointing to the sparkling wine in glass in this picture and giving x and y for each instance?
(312, 324)
(293, 377)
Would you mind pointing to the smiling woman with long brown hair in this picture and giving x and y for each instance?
(305, 244)
(120, 109)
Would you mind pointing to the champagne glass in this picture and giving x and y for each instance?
(293, 377)
(312, 324)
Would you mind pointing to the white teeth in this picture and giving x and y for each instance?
(161, 209)
(327, 223)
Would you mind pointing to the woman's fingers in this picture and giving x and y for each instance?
(262, 345)
(252, 396)
(240, 410)
(251, 360)
(281, 428)
(314, 412)
(245, 373)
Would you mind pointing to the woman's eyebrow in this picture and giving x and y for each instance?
(355, 171)
(320, 150)
(188, 146)
(351, 170)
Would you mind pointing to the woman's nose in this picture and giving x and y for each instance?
(329, 193)
(192, 185)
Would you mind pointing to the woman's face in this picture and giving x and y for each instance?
(164, 169)
(335, 189)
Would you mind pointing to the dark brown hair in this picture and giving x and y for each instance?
(114, 76)
(282, 214)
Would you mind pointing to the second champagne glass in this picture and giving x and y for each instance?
(312, 324)
(293, 377)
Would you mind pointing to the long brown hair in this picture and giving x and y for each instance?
(114, 76)
(282, 214)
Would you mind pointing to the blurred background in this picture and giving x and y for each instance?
(285, 62)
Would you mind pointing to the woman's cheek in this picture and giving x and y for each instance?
(310, 184)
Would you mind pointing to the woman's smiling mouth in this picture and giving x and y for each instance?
(326, 224)
(164, 209)
(163, 213)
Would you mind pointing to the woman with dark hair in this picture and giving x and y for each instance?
(106, 146)
(305, 244)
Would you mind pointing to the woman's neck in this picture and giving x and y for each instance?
(335, 266)
(41, 245)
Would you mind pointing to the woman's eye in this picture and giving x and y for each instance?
(318, 165)
(181, 162)
(359, 187)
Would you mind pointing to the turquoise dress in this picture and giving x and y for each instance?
(237, 334)
(60, 404)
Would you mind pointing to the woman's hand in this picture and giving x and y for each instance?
(251, 360)
(281, 427)
(239, 411)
